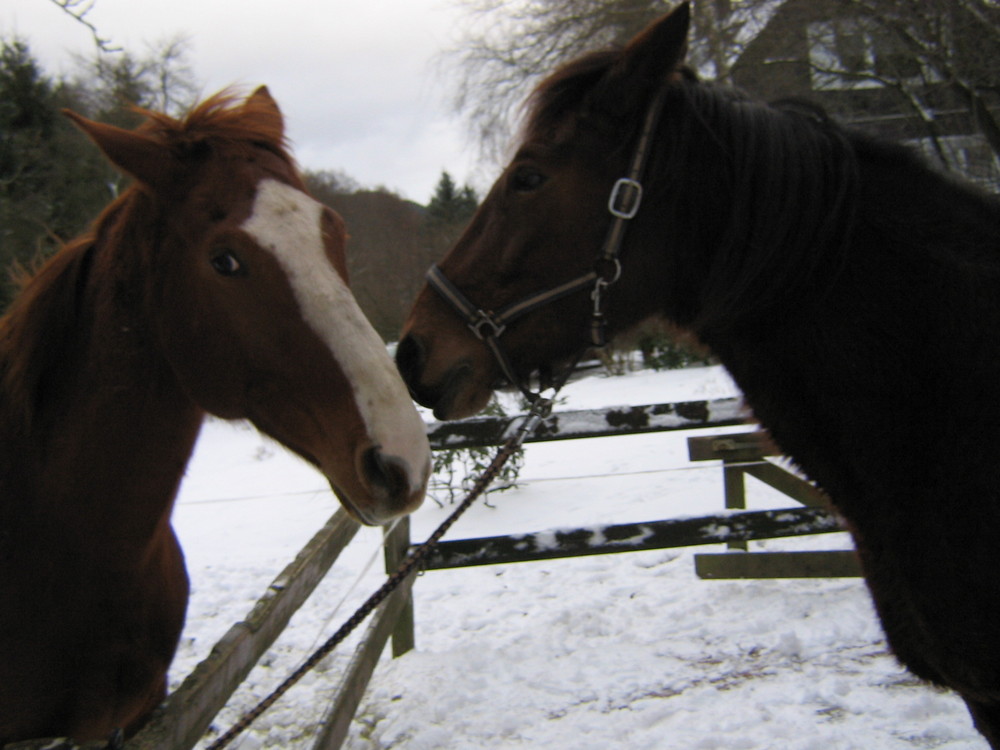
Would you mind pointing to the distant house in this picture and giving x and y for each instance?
(868, 73)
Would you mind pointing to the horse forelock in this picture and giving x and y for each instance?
(225, 121)
(584, 90)
(559, 99)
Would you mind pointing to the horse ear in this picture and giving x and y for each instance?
(263, 103)
(262, 97)
(653, 55)
(137, 154)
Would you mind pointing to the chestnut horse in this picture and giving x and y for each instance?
(852, 292)
(213, 284)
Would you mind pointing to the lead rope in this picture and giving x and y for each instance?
(541, 407)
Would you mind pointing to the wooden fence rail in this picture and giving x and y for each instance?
(633, 537)
(742, 455)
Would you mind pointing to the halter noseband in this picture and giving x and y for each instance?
(623, 205)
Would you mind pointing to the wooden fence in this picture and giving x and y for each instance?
(187, 713)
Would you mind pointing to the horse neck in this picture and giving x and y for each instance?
(849, 382)
(106, 441)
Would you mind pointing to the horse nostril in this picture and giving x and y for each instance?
(410, 358)
(386, 475)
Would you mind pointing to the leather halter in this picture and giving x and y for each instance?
(623, 205)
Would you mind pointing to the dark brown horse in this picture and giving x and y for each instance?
(213, 284)
(852, 292)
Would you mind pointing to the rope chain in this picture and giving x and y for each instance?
(540, 408)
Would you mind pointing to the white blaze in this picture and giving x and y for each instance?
(287, 223)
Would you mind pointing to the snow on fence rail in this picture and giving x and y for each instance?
(567, 425)
(632, 537)
(186, 714)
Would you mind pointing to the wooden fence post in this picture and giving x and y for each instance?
(337, 722)
(743, 454)
(735, 494)
(397, 546)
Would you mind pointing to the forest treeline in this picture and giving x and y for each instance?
(54, 182)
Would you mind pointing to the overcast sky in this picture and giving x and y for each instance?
(359, 81)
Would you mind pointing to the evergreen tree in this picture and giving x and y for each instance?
(50, 180)
(451, 206)
(53, 181)
(448, 212)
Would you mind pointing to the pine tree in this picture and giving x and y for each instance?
(52, 182)
(450, 205)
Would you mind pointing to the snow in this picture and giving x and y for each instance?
(627, 650)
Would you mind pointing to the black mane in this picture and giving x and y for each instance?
(780, 199)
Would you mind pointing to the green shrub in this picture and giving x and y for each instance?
(457, 469)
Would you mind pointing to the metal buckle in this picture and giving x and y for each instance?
(483, 319)
(629, 199)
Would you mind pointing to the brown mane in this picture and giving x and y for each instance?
(36, 330)
(225, 119)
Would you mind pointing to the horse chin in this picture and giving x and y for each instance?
(379, 487)
(377, 512)
(464, 397)
(471, 404)
(352, 510)
(457, 395)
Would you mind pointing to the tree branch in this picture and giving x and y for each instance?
(78, 10)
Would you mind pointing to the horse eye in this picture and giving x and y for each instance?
(526, 179)
(227, 264)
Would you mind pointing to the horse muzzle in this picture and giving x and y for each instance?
(387, 487)
(453, 393)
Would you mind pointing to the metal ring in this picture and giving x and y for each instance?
(484, 318)
(616, 270)
(621, 197)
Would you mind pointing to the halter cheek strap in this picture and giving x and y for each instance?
(623, 205)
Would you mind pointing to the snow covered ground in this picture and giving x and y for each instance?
(627, 651)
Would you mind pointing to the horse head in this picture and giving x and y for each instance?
(247, 295)
(540, 227)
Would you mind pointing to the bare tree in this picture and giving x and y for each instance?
(955, 43)
(919, 70)
(173, 83)
(509, 46)
(161, 80)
